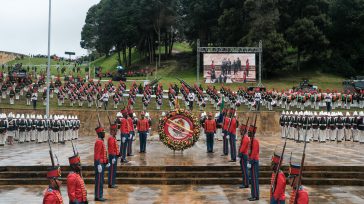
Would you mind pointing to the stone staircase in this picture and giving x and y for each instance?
(186, 175)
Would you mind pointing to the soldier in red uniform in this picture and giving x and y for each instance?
(76, 189)
(210, 130)
(143, 128)
(243, 155)
(254, 163)
(225, 140)
(280, 185)
(124, 131)
(131, 133)
(52, 194)
(233, 124)
(294, 172)
(100, 161)
(114, 153)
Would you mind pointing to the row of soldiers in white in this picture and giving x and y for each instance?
(323, 126)
(36, 128)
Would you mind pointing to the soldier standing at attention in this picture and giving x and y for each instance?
(100, 161)
(294, 172)
(254, 163)
(210, 130)
(76, 189)
(52, 194)
(143, 128)
(278, 192)
(243, 154)
(234, 123)
(124, 131)
(114, 153)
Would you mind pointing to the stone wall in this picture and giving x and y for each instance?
(267, 122)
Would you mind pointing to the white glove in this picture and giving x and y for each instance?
(123, 140)
(249, 166)
(228, 137)
(99, 168)
(107, 165)
(113, 161)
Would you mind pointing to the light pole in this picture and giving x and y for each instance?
(49, 56)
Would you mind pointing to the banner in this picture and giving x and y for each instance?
(229, 67)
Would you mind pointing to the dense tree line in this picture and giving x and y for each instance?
(326, 35)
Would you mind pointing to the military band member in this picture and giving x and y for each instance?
(210, 130)
(278, 196)
(41, 130)
(143, 128)
(52, 194)
(55, 129)
(76, 188)
(29, 128)
(11, 96)
(315, 127)
(100, 163)
(254, 163)
(294, 172)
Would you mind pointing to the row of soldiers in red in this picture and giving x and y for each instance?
(76, 189)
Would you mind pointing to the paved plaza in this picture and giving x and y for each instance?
(190, 194)
(317, 154)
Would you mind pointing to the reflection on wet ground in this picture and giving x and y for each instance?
(317, 154)
(190, 194)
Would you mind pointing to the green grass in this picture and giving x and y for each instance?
(182, 47)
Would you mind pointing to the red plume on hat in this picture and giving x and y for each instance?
(276, 158)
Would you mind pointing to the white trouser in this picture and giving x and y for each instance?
(118, 132)
(322, 135)
(315, 134)
(283, 131)
(54, 137)
(2, 138)
(332, 134)
(33, 134)
(355, 135)
(22, 135)
(340, 134)
(348, 134)
(361, 136)
(219, 134)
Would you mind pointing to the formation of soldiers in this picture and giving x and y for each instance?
(22, 128)
(323, 126)
(78, 91)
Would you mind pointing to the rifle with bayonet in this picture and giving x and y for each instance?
(252, 138)
(279, 165)
(302, 163)
(187, 85)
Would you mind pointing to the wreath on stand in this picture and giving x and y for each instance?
(179, 129)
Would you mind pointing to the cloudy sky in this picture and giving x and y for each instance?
(24, 25)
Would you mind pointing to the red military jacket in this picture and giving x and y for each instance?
(302, 196)
(76, 188)
(254, 155)
(130, 124)
(210, 126)
(124, 126)
(279, 192)
(112, 146)
(226, 123)
(100, 151)
(232, 128)
(245, 145)
(143, 125)
(52, 196)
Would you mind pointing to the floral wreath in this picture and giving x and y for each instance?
(172, 121)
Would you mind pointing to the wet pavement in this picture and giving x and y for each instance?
(191, 194)
(317, 154)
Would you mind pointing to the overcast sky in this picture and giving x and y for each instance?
(24, 25)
